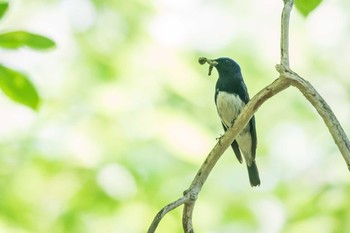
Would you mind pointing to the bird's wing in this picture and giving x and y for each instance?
(253, 135)
(235, 148)
(216, 94)
(245, 97)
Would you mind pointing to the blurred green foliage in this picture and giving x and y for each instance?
(128, 116)
(18, 39)
(305, 7)
(3, 8)
(18, 87)
(14, 84)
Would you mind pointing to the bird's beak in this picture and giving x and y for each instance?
(212, 63)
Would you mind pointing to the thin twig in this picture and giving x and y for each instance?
(288, 5)
(308, 90)
(165, 210)
(324, 110)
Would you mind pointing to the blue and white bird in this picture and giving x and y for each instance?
(231, 96)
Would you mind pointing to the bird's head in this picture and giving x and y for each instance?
(224, 65)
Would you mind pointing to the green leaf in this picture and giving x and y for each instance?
(3, 8)
(18, 39)
(306, 6)
(18, 87)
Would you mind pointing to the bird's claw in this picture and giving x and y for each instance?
(219, 138)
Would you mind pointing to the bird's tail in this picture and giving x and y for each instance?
(253, 174)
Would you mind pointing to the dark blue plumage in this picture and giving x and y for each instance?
(231, 95)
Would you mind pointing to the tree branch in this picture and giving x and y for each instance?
(287, 78)
(288, 5)
(308, 90)
(323, 109)
(165, 210)
(225, 141)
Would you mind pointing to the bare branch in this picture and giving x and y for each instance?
(165, 210)
(286, 79)
(225, 141)
(308, 90)
(288, 5)
(190, 195)
(188, 212)
(334, 127)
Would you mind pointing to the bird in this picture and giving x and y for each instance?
(231, 95)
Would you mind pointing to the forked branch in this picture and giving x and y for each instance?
(286, 78)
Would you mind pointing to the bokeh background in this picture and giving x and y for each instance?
(128, 116)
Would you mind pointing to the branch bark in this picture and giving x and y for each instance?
(286, 78)
(288, 5)
(167, 209)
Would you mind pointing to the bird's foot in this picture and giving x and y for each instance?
(232, 122)
(219, 138)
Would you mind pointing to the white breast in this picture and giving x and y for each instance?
(228, 107)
